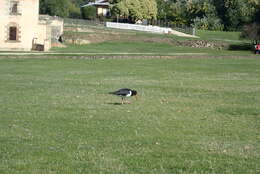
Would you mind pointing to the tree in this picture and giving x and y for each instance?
(177, 12)
(203, 15)
(162, 9)
(55, 7)
(134, 9)
(199, 13)
(74, 10)
(89, 12)
(252, 32)
(235, 13)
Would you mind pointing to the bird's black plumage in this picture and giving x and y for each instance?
(124, 92)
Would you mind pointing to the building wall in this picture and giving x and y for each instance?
(3, 18)
(102, 11)
(26, 21)
(43, 36)
(50, 29)
(31, 31)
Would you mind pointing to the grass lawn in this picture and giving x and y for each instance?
(127, 47)
(146, 48)
(159, 44)
(221, 36)
(192, 116)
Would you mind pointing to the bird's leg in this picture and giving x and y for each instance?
(122, 101)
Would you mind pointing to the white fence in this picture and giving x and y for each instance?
(148, 28)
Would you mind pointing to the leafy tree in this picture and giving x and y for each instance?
(62, 8)
(252, 32)
(89, 12)
(235, 13)
(79, 2)
(55, 7)
(162, 9)
(135, 9)
(256, 7)
(200, 13)
(211, 14)
(74, 10)
(177, 13)
(205, 14)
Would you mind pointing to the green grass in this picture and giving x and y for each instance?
(240, 47)
(192, 116)
(225, 36)
(126, 47)
(146, 48)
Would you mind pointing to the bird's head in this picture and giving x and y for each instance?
(134, 93)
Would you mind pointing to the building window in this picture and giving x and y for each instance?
(14, 8)
(13, 33)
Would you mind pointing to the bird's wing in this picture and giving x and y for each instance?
(123, 91)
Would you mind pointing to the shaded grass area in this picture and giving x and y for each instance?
(146, 47)
(125, 47)
(242, 46)
(225, 36)
(192, 116)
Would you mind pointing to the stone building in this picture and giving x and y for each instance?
(23, 29)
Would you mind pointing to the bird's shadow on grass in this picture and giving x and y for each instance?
(117, 103)
(114, 103)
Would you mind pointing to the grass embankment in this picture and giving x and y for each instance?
(133, 42)
(193, 116)
(127, 47)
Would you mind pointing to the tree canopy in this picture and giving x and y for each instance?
(204, 14)
(62, 8)
(134, 9)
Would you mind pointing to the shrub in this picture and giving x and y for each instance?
(74, 11)
(208, 23)
(89, 13)
(252, 32)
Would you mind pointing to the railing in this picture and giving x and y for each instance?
(160, 23)
(147, 28)
(178, 27)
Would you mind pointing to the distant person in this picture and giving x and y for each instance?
(257, 49)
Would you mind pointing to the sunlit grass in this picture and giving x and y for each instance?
(192, 116)
(144, 48)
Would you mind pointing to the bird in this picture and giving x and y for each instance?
(124, 92)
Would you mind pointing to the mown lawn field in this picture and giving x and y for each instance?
(146, 48)
(192, 116)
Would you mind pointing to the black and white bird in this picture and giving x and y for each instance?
(124, 92)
